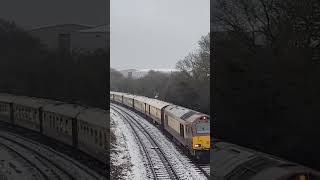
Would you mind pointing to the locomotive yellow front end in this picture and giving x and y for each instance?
(201, 139)
(201, 142)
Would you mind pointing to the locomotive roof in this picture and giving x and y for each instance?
(183, 113)
(226, 159)
(95, 116)
(284, 172)
(7, 98)
(65, 109)
(232, 158)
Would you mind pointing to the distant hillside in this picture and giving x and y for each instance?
(143, 72)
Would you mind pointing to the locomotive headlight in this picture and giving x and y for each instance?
(197, 145)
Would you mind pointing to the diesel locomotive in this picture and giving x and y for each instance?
(188, 128)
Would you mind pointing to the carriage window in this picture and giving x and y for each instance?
(203, 128)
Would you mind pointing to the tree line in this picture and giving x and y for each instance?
(188, 87)
(28, 68)
(266, 63)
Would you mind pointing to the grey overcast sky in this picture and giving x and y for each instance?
(155, 33)
(36, 13)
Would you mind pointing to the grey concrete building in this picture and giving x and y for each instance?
(73, 37)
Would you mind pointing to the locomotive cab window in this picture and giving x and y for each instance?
(203, 128)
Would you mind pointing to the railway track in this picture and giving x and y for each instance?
(205, 169)
(160, 166)
(48, 163)
(40, 164)
(76, 158)
(202, 170)
(35, 171)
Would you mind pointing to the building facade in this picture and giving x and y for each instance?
(73, 37)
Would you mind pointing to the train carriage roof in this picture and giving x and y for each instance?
(129, 96)
(96, 116)
(157, 103)
(141, 99)
(8, 98)
(32, 102)
(65, 109)
(117, 93)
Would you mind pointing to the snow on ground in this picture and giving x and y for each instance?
(32, 162)
(180, 161)
(12, 167)
(125, 153)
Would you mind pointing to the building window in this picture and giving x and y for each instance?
(64, 43)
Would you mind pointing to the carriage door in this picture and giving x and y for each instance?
(75, 132)
(162, 118)
(182, 130)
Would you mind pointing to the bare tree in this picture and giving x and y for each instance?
(276, 22)
(196, 64)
